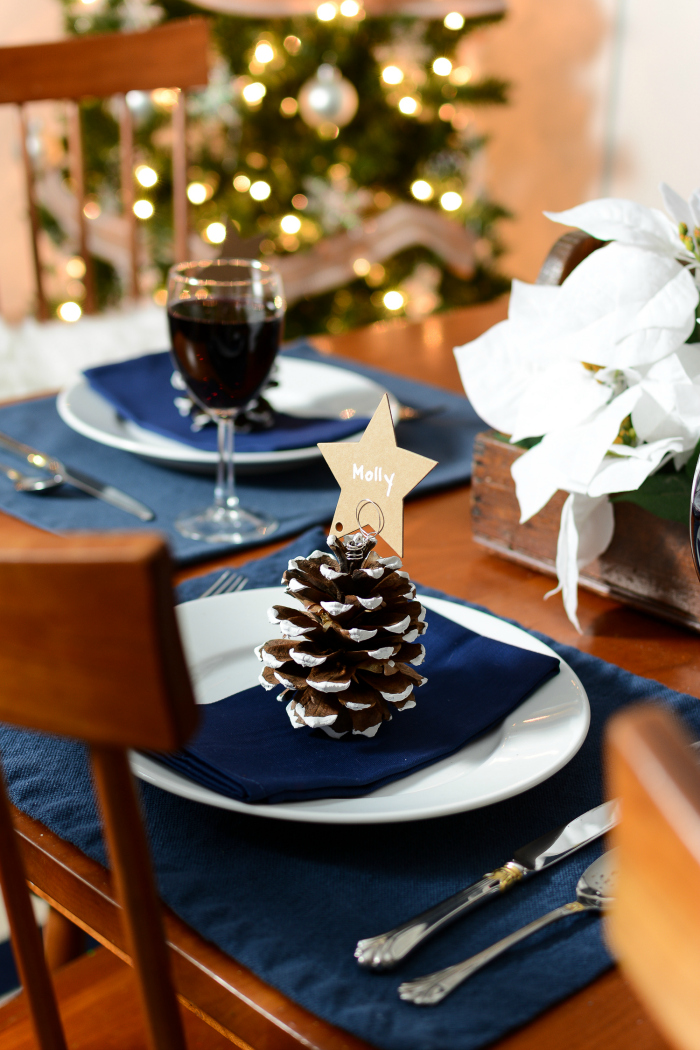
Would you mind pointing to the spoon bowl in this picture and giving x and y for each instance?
(596, 887)
(594, 892)
(30, 483)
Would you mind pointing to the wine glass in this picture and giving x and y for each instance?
(225, 319)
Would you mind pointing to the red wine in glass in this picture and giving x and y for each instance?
(225, 318)
(224, 349)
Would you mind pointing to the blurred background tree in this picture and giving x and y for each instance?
(309, 127)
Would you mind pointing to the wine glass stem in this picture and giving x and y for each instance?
(225, 491)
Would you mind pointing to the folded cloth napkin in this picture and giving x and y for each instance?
(140, 390)
(246, 748)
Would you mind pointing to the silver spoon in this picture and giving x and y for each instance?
(25, 483)
(594, 892)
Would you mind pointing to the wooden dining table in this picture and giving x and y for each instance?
(439, 552)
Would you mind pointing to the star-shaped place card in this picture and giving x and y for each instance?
(375, 470)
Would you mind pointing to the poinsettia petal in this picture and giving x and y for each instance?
(675, 205)
(535, 483)
(564, 395)
(668, 410)
(532, 302)
(694, 203)
(623, 306)
(494, 369)
(615, 219)
(586, 530)
(569, 459)
(625, 471)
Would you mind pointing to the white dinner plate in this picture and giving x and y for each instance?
(535, 741)
(306, 388)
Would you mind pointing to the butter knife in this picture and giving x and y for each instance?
(387, 949)
(80, 480)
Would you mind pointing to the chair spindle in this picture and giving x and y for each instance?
(126, 157)
(77, 168)
(26, 939)
(135, 888)
(180, 178)
(42, 307)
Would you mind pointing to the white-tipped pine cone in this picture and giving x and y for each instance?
(347, 658)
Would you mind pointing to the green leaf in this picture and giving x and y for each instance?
(665, 495)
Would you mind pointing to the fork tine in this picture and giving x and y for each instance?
(225, 584)
(236, 583)
(215, 587)
(232, 584)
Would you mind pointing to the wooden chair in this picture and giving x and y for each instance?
(91, 650)
(173, 55)
(654, 928)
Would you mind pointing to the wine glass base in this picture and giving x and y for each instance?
(225, 525)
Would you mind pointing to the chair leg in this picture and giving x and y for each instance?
(63, 940)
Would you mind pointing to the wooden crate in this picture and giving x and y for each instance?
(647, 565)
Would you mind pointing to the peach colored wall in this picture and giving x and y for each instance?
(546, 147)
(26, 22)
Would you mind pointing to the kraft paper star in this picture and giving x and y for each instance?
(377, 470)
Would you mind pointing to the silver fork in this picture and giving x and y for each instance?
(228, 583)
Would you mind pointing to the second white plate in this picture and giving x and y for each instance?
(306, 388)
(535, 741)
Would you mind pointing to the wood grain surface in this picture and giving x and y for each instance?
(100, 1011)
(171, 55)
(439, 552)
(113, 637)
(655, 924)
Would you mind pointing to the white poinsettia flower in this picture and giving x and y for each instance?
(629, 467)
(587, 527)
(686, 212)
(623, 306)
(670, 405)
(569, 458)
(614, 219)
(565, 394)
(600, 360)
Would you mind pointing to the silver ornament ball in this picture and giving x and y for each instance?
(328, 98)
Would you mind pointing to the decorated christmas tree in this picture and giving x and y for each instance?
(335, 136)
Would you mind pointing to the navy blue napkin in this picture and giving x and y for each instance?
(247, 749)
(141, 391)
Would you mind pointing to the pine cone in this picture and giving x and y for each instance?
(346, 658)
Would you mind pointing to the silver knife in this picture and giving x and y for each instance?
(82, 481)
(387, 949)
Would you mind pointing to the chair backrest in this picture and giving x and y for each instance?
(91, 650)
(173, 55)
(654, 928)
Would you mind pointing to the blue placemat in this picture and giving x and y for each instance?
(291, 900)
(297, 498)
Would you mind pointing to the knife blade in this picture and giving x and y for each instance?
(78, 478)
(387, 949)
